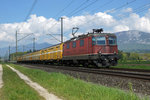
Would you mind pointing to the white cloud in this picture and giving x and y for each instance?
(40, 26)
(127, 10)
(121, 28)
(110, 11)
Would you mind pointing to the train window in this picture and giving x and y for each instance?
(112, 40)
(101, 40)
(93, 41)
(74, 44)
(81, 42)
(67, 45)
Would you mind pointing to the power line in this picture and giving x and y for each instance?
(78, 7)
(142, 8)
(28, 14)
(103, 5)
(69, 13)
(85, 7)
(31, 9)
(54, 37)
(64, 8)
(127, 3)
(139, 9)
(59, 14)
(76, 11)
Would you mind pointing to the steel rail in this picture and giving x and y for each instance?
(113, 71)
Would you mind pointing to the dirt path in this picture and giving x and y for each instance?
(43, 92)
(1, 73)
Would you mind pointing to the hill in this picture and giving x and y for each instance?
(134, 41)
(4, 51)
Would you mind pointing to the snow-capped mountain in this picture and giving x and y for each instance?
(133, 40)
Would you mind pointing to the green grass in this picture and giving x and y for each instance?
(132, 66)
(70, 88)
(15, 89)
(134, 62)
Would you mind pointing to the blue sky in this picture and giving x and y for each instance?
(16, 10)
(112, 15)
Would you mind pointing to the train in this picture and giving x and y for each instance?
(94, 48)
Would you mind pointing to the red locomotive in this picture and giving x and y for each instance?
(95, 48)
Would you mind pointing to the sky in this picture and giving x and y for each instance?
(44, 19)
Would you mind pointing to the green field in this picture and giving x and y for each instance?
(15, 89)
(133, 66)
(69, 88)
(134, 62)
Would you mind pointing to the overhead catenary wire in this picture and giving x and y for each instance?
(62, 10)
(31, 9)
(78, 10)
(138, 9)
(86, 1)
(84, 7)
(54, 37)
(141, 8)
(51, 32)
(54, 24)
(101, 6)
(69, 13)
(28, 14)
(127, 3)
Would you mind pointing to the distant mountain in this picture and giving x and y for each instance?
(4, 51)
(133, 41)
(37, 46)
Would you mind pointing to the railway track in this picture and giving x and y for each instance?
(120, 72)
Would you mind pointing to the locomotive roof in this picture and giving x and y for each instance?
(90, 34)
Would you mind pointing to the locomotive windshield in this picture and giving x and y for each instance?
(100, 40)
(112, 40)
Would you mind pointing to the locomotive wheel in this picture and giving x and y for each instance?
(106, 63)
(99, 65)
(85, 64)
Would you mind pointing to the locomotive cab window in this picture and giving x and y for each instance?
(81, 42)
(74, 44)
(112, 40)
(101, 40)
(67, 45)
(93, 40)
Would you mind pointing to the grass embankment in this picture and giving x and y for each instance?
(74, 89)
(15, 89)
(134, 62)
(132, 66)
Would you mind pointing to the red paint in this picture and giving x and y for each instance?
(88, 48)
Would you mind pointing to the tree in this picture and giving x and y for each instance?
(135, 56)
